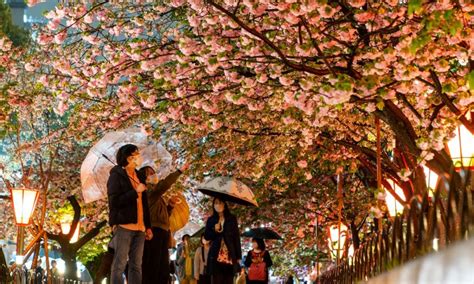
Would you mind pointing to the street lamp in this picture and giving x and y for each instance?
(24, 203)
(394, 207)
(66, 228)
(431, 178)
(337, 238)
(461, 147)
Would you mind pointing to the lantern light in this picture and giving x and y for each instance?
(335, 244)
(461, 147)
(431, 180)
(24, 203)
(66, 228)
(19, 259)
(394, 207)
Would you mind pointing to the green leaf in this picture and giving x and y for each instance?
(470, 79)
(448, 88)
(212, 60)
(158, 83)
(454, 27)
(414, 6)
(380, 105)
(448, 15)
(419, 42)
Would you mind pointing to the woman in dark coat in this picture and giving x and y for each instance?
(225, 253)
(257, 256)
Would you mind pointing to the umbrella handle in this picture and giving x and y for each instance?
(107, 158)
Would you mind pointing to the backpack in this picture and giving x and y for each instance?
(258, 268)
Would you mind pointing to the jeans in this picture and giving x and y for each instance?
(128, 245)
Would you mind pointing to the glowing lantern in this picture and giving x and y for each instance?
(394, 207)
(350, 253)
(337, 239)
(24, 203)
(431, 178)
(461, 147)
(66, 227)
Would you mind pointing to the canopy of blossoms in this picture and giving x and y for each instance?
(277, 92)
(275, 82)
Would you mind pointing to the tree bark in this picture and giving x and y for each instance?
(71, 265)
(69, 250)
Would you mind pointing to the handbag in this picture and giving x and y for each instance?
(223, 256)
(241, 278)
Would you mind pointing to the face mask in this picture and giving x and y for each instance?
(138, 160)
(219, 208)
(153, 179)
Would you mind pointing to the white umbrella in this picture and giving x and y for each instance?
(229, 189)
(95, 168)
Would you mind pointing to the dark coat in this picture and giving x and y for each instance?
(231, 237)
(122, 199)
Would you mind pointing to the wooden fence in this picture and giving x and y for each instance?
(446, 217)
(22, 276)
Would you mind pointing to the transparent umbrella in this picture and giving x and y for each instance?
(95, 168)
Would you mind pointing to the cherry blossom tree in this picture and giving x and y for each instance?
(271, 83)
(273, 91)
(39, 154)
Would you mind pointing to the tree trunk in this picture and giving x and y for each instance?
(355, 235)
(71, 266)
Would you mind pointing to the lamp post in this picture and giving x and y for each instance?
(24, 203)
(337, 234)
(66, 228)
(394, 207)
(431, 180)
(461, 147)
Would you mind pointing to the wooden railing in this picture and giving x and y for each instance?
(447, 217)
(22, 276)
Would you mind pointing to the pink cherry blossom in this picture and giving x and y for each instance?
(302, 164)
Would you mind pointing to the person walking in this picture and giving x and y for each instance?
(39, 272)
(258, 261)
(225, 253)
(54, 272)
(128, 215)
(184, 261)
(156, 257)
(201, 272)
